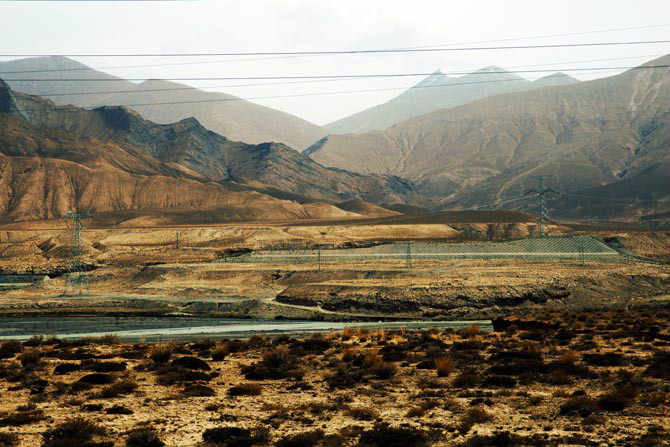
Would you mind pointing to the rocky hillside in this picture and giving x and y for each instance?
(603, 138)
(44, 173)
(439, 91)
(225, 114)
(269, 167)
(110, 160)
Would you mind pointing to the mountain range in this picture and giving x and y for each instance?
(604, 144)
(225, 114)
(439, 91)
(57, 158)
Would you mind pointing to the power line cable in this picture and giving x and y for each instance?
(285, 57)
(49, 95)
(335, 52)
(297, 95)
(357, 76)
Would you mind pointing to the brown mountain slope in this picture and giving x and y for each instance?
(44, 173)
(582, 136)
(366, 209)
(271, 167)
(225, 114)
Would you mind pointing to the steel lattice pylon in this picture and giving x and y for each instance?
(76, 277)
(542, 191)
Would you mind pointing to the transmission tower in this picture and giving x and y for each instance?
(76, 277)
(542, 192)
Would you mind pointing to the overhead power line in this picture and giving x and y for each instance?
(335, 52)
(352, 76)
(285, 57)
(264, 84)
(296, 95)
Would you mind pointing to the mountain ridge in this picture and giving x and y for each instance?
(225, 114)
(438, 91)
(586, 135)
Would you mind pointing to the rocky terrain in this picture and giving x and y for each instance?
(603, 144)
(224, 114)
(563, 378)
(110, 159)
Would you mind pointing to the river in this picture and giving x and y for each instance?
(135, 329)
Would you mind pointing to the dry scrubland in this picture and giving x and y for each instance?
(587, 379)
(140, 271)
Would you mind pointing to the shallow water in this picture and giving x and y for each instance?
(155, 329)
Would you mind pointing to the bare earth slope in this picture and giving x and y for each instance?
(225, 114)
(45, 173)
(582, 136)
(270, 167)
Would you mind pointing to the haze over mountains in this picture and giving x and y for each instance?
(225, 114)
(439, 91)
(591, 138)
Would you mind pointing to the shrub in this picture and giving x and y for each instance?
(228, 437)
(659, 366)
(383, 435)
(219, 352)
(469, 331)
(277, 363)
(65, 368)
(107, 339)
(505, 439)
(444, 366)
(172, 376)
(8, 439)
(119, 409)
(617, 399)
(582, 405)
(143, 437)
(607, 359)
(559, 377)
(23, 415)
(363, 413)
(161, 353)
(75, 432)
(30, 359)
(345, 376)
(126, 386)
(197, 390)
(467, 378)
(34, 341)
(477, 415)
(189, 362)
(568, 358)
(9, 349)
(245, 389)
(305, 439)
(378, 367)
(91, 407)
(500, 381)
(97, 379)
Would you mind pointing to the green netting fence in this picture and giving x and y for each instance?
(573, 248)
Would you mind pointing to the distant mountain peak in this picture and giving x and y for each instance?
(556, 79)
(491, 69)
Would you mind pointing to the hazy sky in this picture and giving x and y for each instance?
(60, 27)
